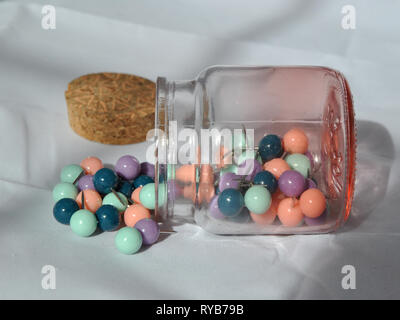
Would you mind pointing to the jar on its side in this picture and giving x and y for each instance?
(251, 102)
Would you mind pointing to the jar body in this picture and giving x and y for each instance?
(251, 102)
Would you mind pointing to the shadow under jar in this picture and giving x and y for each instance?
(256, 101)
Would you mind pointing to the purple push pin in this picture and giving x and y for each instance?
(174, 190)
(316, 221)
(228, 180)
(310, 184)
(86, 183)
(249, 168)
(127, 167)
(147, 169)
(214, 210)
(149, 229)
(292, 183)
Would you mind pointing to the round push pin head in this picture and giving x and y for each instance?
(141, 181)
(149, 229)
(126, 188)
(83, 223)
(116, 199)
(64, 190)
(292, 183)
(289, 212)
(105, 180)
(300, 163)
(186, 173)
(249, 168)
(86, 182)
(257, 199)
(295, 141)
(91, 165)
(135, 213)
(270, 147)
(213, 209)
(276, 167)
(127, 167)
(108, 217)
(135, 197)
(147, 195)
(267, 179)
(91, 199)
(174, 190)
(64, 209)
(147, 169)
(128, 240)
(71, 173)
(230, 202)
(229, 180)
(312, 203)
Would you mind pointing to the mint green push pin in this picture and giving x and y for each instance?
(299, 162)
(83, 223)
(257, 199)
(147, 195)
(71, 173)
(64, 190)
(116, 199)
(128, 240)
(170, 172)
(229, 168)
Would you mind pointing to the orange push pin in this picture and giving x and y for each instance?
(186, 173)
(276, 167)
(91, 200)
(135, 195)
(295, 141)
(312, 203)
(206, 192)
(206, 174)
(289, 212)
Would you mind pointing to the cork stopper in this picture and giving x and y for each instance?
(111, 108)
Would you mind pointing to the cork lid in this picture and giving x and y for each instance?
(111, 108)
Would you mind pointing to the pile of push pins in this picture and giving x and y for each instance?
(91, 196)
(278, 184)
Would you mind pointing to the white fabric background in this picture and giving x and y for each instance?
(177, 39)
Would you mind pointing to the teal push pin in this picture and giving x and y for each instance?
(299, 162)
(257, 199)
(128, 240)
(148, 198)
(71, 173)
(116, 199)
(64, 190)
(83, 223)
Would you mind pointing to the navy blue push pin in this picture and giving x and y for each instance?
(64, 209)
(267, 179)
(126, 188)
(142, 181)
(108, 217)
(230, 202)
(270, 147)
(105, 180)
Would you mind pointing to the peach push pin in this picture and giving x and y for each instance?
(276, 167)
(295, 141)
(91, 165)
(92, 200)
(289, 212)
(312, 203)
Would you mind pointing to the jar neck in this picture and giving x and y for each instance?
(178, 106)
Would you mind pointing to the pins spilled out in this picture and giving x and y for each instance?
(91, 197)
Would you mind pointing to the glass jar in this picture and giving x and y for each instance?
(251, 102)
